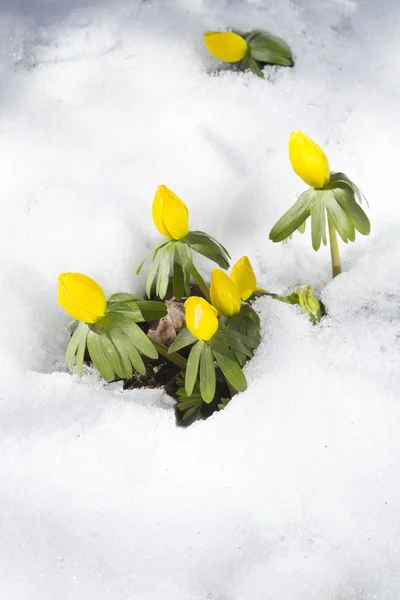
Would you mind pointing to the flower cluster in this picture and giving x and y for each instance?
(222, 330)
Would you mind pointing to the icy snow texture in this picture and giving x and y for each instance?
(291, 493)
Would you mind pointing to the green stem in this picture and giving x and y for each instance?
(200, 282)
(175, 358)
(335, 256)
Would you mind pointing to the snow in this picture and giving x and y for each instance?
(292, 492)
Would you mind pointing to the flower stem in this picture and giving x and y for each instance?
(175, 358)
(335, 256)
(200, 282)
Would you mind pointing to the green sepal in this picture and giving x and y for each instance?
(183, 339)
(207, 246)
(207, 374)
(76, 347)
(192, 367)
(293, 218)
(269, 49)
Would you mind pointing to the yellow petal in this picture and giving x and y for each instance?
(224, 294)
(81, 297)
(170, 214)
(243, 277)
(201, 318)
(308, 160)
(225, 45)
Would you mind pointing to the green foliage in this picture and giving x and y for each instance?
(179, 253)
(115, 342)
(338, 201)
(264, 49)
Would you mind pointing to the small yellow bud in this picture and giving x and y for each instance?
(226, 45)
(81, 297)
(308, 160)
(224, 294)
(201, 318)
(170, 214)
(243, 277)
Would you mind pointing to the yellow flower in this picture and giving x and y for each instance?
(225, 45)
(201, 318)
(170, 214)
(308, 160)
(81, 297)
(224, 294)
(243, 277)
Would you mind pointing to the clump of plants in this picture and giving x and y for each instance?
(249, 51)
(190, 335)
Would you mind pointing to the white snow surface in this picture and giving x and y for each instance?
(293, 491)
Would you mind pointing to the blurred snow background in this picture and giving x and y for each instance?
(293, 492)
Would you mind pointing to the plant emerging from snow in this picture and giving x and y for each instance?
(332, 198)
(249, 51)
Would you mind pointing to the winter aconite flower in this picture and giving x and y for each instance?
(201, 318)
(308, 160)
(170, 214)
(81, 297)
(224, 294)
(243, 277)
(226, 45)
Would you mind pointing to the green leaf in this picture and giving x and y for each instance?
(269, 49)
(121, 297)
(98, 354)
(140, 310)
(229, 338)
(341, 178)
(346, 201)
(206, 245)
(293, 218)
(77, 346)
(339, 219)
(127, 351)
(183, 339)
(192, 367)
(244, 324)
(249, 63)
(318, 220)
(164, 270)
(231, 370)
(207, 374)
(153, 272)
(141, 341)
(178, 278)
(185, 258)
(154, 251)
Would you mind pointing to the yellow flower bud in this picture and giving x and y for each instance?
(243, 277)
(81, 297)
(225, 45)
(201, 318)
(170, 214)
(308, 160)
(224, 294)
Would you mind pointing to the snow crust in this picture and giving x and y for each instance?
(293, 491)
